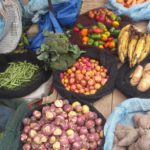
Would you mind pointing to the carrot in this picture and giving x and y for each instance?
(140, 1)
(129, 2)
(120, 1)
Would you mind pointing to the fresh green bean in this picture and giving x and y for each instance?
(17, 74)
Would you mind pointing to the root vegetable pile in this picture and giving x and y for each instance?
(62, 126)
(133, 45)
(133, 138)
(86, 76)
(99, 35)
(140, 77)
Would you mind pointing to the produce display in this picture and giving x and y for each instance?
(57, 52)
(135, 137)
(86, 76)
(62, 126)
(133, 45)
(17, 74)
(100, 35)
(141, 77)
(130, 3)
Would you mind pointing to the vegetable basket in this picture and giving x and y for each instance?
(107, 60)
(39, 77)
(123, 81)
(71, 101)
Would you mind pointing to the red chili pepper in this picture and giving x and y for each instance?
(110, 39)
(108, 20)
(106, 44)
(97, 30)
(75, 29)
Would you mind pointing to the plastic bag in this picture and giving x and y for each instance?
(123, 114)
(65, 11)
(137, 12)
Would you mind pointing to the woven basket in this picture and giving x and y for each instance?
(91, 4)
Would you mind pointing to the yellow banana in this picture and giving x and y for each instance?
(123, 40)
(138, 51)
(132, 45)
(146, 49)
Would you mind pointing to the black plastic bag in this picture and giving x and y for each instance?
(92, 108)
(39, 78)
(123, 81)
(107, 60)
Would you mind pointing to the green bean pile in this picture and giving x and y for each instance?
(16, 74)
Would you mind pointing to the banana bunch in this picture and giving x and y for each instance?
(133, 45)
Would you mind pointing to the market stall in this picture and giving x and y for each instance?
(69, 65)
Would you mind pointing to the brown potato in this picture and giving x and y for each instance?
(136, 75)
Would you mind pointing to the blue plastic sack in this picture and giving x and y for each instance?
(47, 23)
(66, 14)
(65, 10)
(137, 12)
(123, 114)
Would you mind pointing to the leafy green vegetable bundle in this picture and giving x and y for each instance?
(17, 74)
(57, 52)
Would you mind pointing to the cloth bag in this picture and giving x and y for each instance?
(123, 114)
(10, 25)
(137, 12)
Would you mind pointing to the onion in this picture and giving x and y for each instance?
(52, 139)
(52, 108)
(90, 124)
(58, 103)
(29, 140)
(46, 129)
(83, 130)
(37, 114)
(77, 138)
(64, 125)
(70, 132)
(59, 111)
(91, 137)
(64, 140)
(33, 119)
(64, 114)
(98, 121)
(50, 115)
(67, 108)
(41, 122)
(73, 119)
(32, 133)
(34, 146)
(26, 147)
(26, 129)
(47, 145)
(58, 121)
(26, 121)
(57, 131)
(91, 115)
(99, 142)
(43, 138)
(56, 145)
(35, 126)
(72, 126)
(42, 147)
(97, 137)
(77, 145)
(83, 137)
(71, 139)
(81, 120)
(78, 108)
(37, 139)
(45, 108)
(93, 146)
(23, 137)
(92, 130)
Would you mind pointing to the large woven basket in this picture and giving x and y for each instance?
(91, 4)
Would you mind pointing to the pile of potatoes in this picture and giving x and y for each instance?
(133, 137)
(141, 78)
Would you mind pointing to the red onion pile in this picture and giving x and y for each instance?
(62, 126)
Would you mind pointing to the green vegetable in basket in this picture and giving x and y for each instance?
(17, 74)
(57, 52)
